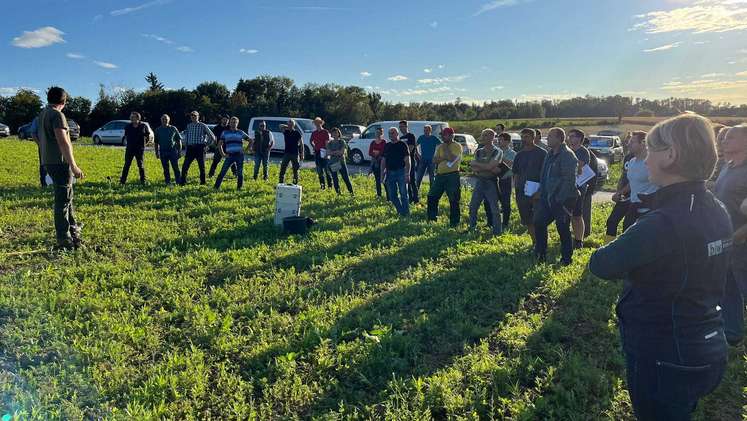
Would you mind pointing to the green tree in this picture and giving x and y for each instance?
(22, 108)
(155, 84)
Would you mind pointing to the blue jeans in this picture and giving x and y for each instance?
(322, 170)
(733, 302)
(170, 158)
(395, 181)
(544, 215)
(234, 158)
(264, 160)
(426, 165)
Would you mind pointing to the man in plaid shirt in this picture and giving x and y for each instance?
(196, 138)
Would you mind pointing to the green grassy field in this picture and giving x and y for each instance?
(188, 304)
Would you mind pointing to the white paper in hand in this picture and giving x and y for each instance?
(530, 188)
(586, 174)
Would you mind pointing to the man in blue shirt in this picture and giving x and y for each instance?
(231, 146)
(428, 144)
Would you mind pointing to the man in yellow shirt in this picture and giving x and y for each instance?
(447, 158)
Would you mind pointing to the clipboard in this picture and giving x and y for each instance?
(586, 174)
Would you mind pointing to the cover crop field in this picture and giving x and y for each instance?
(188, 304)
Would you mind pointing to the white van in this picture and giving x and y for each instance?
(359, 147)
(304, 125)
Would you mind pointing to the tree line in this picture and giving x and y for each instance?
(279, 96)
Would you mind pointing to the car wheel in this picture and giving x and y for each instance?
(356, 157)
(96, 140)
(124, 141)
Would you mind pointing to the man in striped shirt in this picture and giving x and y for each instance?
(197, 136)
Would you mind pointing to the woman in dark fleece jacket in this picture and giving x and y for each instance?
(674, 262)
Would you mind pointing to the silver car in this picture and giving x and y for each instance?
(4, 130)
(112, 133)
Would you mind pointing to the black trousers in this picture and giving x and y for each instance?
(137, 155)
(194, 152)
(293, 159)
(617, 215)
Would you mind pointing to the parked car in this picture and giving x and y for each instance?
(603, 173)
(516, 142)
(468, 142)
(112, 133)
(73, 129)
(351, 131)
(24, 132)
(4, 130)
(610, 132)
(304, 125)
(359, 146)
(607, 147)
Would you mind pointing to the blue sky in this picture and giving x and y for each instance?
(408, 50)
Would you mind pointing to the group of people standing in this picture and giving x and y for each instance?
(682, 255)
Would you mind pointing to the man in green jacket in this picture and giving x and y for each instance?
(59, 161)
(168, 147)
(558, 195)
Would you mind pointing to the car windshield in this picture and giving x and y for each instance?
(601, 143)
(305, 125)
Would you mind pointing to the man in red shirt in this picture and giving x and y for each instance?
(319, 139)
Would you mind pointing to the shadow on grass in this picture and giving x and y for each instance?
(412, 330)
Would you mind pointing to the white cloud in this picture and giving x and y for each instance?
(440, 80)
(248, 51)
(546, 97)
(159, 38)
(496, 4)
(417, 91)
(42, 37)
(663, 47)
(715, 90)
(433, 24)
(397, 78)
(441, 66)
(496, 88)
(633, 93)
(365, 74)
(127, 10)
(98, 18)
(711, 75)
(742, 74)
(699, 17)
(185, 49)
(427, 70)
(75, 56)
(12, 90)
(105, 65)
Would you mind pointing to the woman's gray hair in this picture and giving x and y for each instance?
(692, 137)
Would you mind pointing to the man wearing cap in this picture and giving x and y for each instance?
(213, 147)
(319, 139)
(447, 158)
(197, 134)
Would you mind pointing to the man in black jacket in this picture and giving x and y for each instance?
(137, 135)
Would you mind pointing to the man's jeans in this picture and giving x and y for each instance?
(544, 214)
(395, 181)
(426, 165)
(450, 184)
(170, 158)
(66, 227)
(485, 190)
(236, 159)
(131, 154)
(322, 170)
(261, 159)
(194, 152)
(217, 157)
